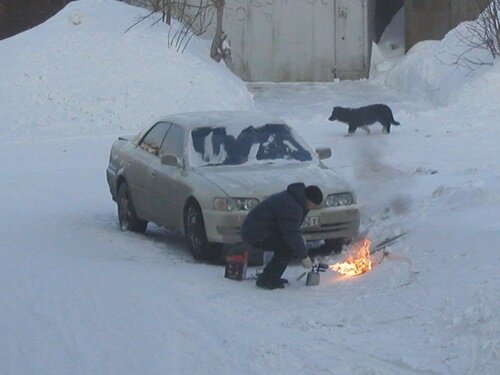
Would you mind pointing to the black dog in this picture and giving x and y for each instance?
(363, 116)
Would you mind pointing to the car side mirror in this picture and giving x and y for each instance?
(171, 160)
(324, 152)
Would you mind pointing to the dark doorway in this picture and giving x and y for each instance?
(384, 11)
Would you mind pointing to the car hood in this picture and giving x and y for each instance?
(262, 181)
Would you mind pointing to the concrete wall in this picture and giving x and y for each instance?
(432, 19)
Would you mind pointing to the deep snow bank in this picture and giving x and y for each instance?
(81, 73)
(448, 71)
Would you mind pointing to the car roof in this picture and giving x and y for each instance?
(228, 119)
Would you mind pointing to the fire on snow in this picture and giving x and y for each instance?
(358, 261)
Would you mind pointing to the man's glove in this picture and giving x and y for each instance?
(307, 262)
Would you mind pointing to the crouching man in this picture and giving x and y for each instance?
(274, 225)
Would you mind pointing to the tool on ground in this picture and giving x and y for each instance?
(387, 242)
(313, 275)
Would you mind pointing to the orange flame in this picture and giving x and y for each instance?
(358, 261)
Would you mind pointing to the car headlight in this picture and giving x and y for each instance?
(341, 199)
(235, 204)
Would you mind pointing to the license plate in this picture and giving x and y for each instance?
(311, 221)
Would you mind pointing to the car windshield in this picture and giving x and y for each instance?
(210, 146)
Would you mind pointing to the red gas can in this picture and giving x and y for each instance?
(236, 266)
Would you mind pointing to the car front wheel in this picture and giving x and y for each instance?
(200, 248)
(126, 212)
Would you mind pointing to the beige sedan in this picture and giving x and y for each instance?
(200, 173)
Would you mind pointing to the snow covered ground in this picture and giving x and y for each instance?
(78, 296)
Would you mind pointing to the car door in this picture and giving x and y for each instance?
(139, 168)
(167, 197)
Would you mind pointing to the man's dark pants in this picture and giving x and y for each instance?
(281, 258)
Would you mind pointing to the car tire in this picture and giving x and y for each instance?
(335, 245)
(129, 222)
(196, 236)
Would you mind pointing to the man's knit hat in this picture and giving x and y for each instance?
(314, 194)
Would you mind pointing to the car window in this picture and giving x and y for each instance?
(174, 142)
(154, 138)
(266, 143)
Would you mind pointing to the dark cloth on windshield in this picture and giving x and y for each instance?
(266, 142)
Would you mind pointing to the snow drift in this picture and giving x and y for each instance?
(80, 72)
(441, 70)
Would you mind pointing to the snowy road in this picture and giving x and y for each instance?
(81, 297)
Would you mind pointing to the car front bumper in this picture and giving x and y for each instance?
(332, 222)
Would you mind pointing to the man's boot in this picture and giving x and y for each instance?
(270, 278)
(267, 284)
(280, 269)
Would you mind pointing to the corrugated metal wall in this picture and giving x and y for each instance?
(299, 40)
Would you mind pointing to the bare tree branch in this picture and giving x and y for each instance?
(140, 20)
(217, 49)
(484, 33)
(194, 19)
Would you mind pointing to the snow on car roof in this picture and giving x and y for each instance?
(232, 120)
